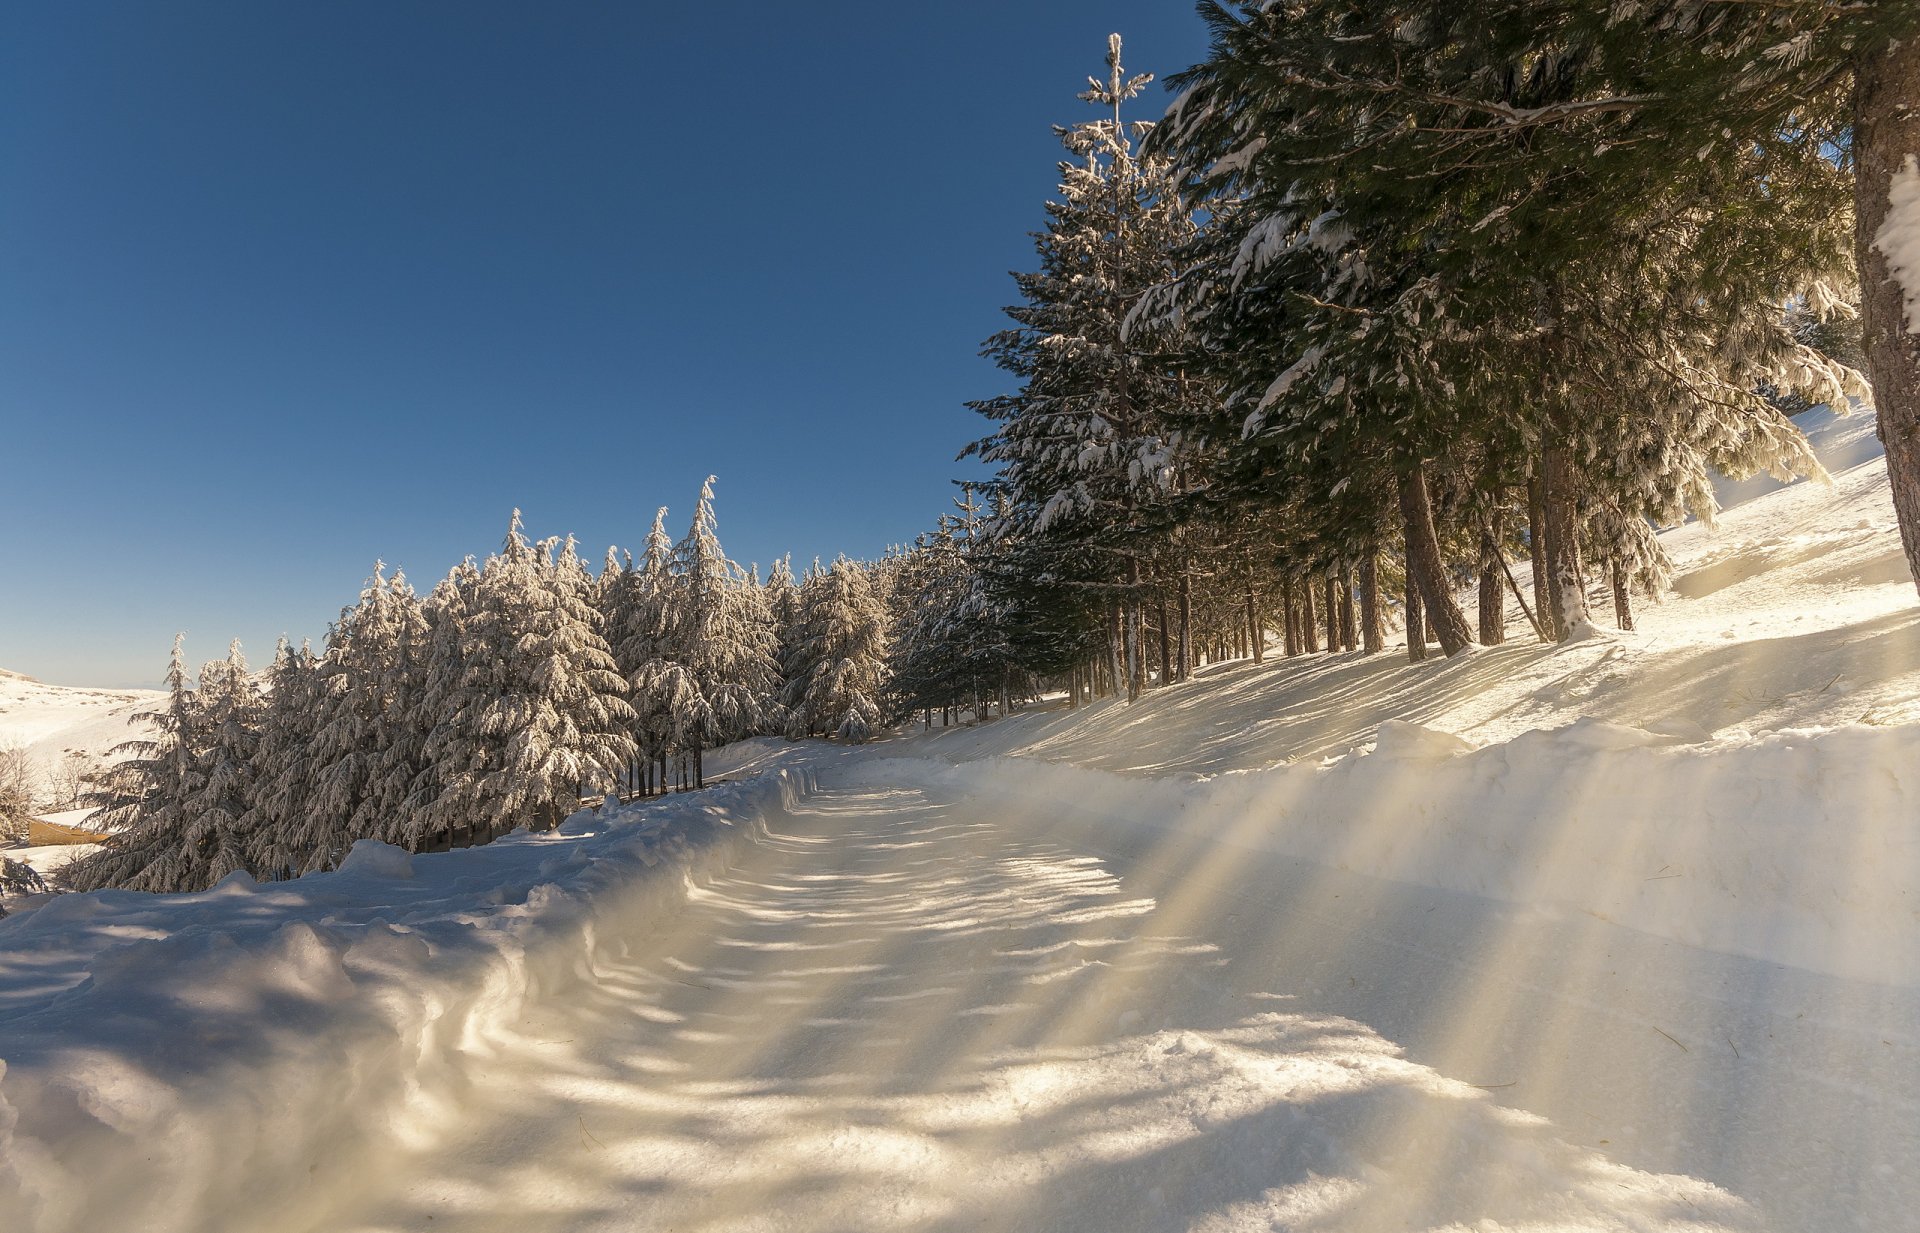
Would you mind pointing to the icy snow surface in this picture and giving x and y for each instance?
(1620, 935)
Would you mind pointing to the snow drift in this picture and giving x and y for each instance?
(170, 1060)
(1796, 847)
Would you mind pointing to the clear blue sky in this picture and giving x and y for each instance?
(287, 288)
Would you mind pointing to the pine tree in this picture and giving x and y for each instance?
(666, 698)
(537, 716)
(1090, 447)
(838, 676)
(724, 639)
(282, 772)
(215, 842)
(142, 799)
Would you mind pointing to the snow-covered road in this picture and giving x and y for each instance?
(897, 1013)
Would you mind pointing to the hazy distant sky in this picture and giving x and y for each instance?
(288, 288)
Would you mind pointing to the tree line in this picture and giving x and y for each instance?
(516, 688)
(1394, 295)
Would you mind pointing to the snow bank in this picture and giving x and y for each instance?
(172, 1060)
(1796, 847)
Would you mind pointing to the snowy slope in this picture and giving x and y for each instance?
(48, 721)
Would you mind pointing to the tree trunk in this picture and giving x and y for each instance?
(1290, 620)
(1166, 640)
(1373, 627)
(1416, 623)
(1493, 600)
(1309, 633)
(1537, 549)
(1886, 144)
(1330, 592)
(1186, 623)
(1425, 565)
(1566, 595)
(1136, 633)
(1622, 599)
(1349, 624)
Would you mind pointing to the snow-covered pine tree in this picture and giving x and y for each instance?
(538, 717)
(781, 595)
(282, 772)
(142, 798)
(1089, 448)
(838, 677)
(668, 707)
(215, 842)
(365, 748)
(724, 639)
(448, 611)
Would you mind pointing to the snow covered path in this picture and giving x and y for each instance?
(898, 1014)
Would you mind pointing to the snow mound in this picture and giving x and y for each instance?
(173, 1060)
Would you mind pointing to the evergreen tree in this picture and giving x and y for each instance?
(537, 717)
(724, 639)
(839, 672)
(1090, 447)
(282, 772)
(142, 799)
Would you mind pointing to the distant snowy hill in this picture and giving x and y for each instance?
(49, 721)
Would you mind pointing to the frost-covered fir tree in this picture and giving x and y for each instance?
(365, 746)
(215, 842)
(1090, 447)
(837, 678)
(724, 638)
(282, 771)
(537, 716)
(646, 637)
(142, 801)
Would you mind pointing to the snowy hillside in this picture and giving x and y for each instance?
(50, 721)
(1620, 934)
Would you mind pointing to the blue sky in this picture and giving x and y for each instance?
(288, 288)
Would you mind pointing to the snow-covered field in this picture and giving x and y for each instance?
(1618, 935)
(49, 721)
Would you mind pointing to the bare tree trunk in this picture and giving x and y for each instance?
(1309, 632)
(1565, 591)
(1493, 600)
(1330, 596)
(1349, 624)
(1886, 144)
(1136, 634)
(1622, 599)
(1416, 622)
(1426, 566)
(1186, 622)
(1166, 639)
(1114, 647)
(1537, 548)
(1373, 626)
